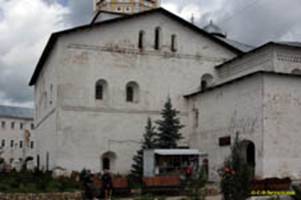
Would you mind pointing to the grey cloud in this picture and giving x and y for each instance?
(254, 22)
(81, 11)
(22, 39)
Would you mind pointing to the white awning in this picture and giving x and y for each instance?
(175, 152)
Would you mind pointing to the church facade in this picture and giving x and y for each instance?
(96, 85)
(257, 97)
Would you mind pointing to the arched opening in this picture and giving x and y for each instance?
(296, 71)
(248, 152)
(29, 162)
(206, 81)
(108, 161)
(106, 165)
(101, 88)
(141, 40)
(251, 154)
(132, 92)
(158, 36)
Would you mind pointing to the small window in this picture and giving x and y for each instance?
(106, 164)
(21, 126)
(204, 85)
(129, 94)
(3, 143)
(206, 81)
(12, 143)
(174, 43)
(132, 92)
(141, 40)
(101, 89)
(3, 124)
(12, 125)
(32, 144)
(31, 126)
(21, 144)
(99, 92)
(51, 94)
(158, 38)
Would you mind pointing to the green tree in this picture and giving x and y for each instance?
(169, 127)
(236, 175)
(149, 142)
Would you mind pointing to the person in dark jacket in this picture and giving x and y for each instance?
(107, 184)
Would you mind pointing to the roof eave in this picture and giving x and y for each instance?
(238, 79)
(43, 58)
(254, 51)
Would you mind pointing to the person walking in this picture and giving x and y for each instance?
(107, 184)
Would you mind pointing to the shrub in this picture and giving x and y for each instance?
(35, 182)
(196, 186)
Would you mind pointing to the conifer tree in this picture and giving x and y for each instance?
(169, 127)
(148, 142)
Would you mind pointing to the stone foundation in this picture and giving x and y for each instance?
(46, 196)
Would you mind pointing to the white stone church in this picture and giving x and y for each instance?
(96, 85)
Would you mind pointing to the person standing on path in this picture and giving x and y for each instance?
(107, 184)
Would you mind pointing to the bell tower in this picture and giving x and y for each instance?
(125, 6)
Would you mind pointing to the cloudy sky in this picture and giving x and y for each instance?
(25, 26)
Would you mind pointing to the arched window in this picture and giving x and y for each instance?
(158, 37)
(106, 164)
(108, 161)
(174, 43)
(101, 89)
(132, 92)
(206, 81)
(129, 94)
(141, 40)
